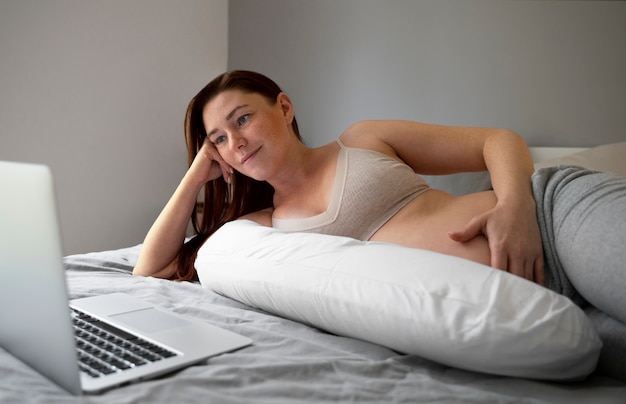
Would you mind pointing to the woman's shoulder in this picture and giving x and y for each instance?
(369, 135)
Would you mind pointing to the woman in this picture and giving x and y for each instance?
(253, 141)
(242, 127)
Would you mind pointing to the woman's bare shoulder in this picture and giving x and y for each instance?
(367, 135)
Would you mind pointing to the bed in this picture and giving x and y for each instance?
(292, 361)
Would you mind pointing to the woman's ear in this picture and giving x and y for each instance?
(286, 106)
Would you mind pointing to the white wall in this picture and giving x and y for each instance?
(98, 91)
(554, 71)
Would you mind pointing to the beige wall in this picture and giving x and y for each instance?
(98, 91)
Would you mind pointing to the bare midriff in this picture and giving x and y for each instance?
(426, 221)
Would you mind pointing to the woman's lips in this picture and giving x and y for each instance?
(249, 156)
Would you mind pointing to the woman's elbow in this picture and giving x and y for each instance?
(140, 271)
(143, 270)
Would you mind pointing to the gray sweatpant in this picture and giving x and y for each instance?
(582, 217)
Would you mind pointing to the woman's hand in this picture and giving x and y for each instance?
(167, 234)
(209, 165)
(514, 238)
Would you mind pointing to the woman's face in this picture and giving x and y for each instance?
(249, 132)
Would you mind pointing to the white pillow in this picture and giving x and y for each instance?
(608, 157)
(439, 307)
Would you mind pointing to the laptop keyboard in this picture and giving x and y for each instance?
(104, 349)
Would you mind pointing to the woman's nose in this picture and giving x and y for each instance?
(238, 141)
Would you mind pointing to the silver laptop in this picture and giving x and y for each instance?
(39, 327)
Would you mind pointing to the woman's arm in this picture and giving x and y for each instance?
(511, 227)
(166, 236)
(433, 149)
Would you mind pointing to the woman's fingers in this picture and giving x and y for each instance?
(210, 164)
(511, 248)
(473, 229)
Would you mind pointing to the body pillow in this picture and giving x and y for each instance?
(442, 308)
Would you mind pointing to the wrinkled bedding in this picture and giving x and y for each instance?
(288, 362)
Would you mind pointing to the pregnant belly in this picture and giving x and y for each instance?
(426, 221)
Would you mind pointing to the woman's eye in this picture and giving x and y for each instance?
(243, 119)
(219, 139)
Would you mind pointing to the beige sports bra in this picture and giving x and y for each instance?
(369, 189)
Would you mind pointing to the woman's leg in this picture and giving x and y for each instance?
(589, 224)
(582, 216)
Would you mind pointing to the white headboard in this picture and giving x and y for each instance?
(545, 153)
(609, 157)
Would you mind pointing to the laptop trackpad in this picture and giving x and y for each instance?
(149, 320)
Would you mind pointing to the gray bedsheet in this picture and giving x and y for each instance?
(288, 362)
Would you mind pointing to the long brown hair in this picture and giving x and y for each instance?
(214, 208)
